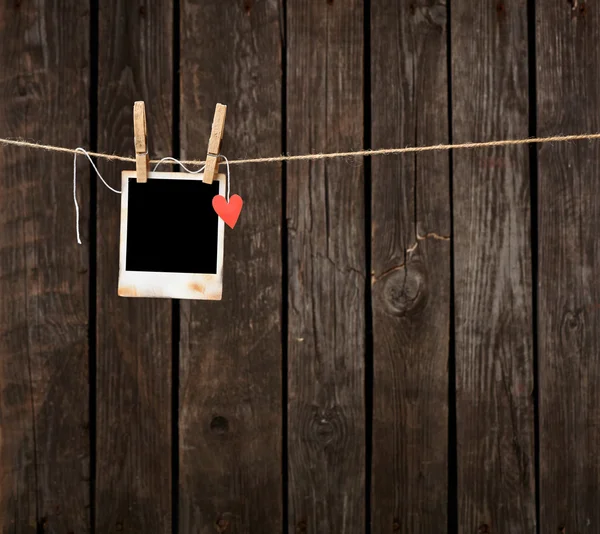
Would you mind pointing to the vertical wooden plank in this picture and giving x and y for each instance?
(44, 441)
(325, 202)
(493, 295)
(230, 379)
(568, 89)
(410, 268)
(133, 363)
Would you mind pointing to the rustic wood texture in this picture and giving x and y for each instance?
(493, 295)
(326, 250)
(44, 438)
(133, 362)
(230, 380)
(568, 83)
(410, 268)
(230, 399)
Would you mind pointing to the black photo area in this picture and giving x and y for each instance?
(172, 226)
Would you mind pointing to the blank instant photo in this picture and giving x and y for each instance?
(171, 237)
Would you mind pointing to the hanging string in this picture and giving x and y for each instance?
(330, 155)
(174, 160)
(80, 150)
(228, 177)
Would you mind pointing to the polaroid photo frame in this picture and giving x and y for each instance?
(171, 238)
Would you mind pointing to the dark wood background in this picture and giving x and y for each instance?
(406, 344)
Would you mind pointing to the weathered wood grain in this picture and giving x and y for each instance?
(326, 245)
(133, 362)
(44, 438)
(230, 380)
(493, 295)
(410, 273)
(568, 89)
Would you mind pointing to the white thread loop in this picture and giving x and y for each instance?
(228, 177)
(80, 150)
(174, 160)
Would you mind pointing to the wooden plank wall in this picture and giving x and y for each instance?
(326, 269)
(406, 344)
(568, 78)
(492, 269)
(230, 423)
(44, 391)
(133, 336)
(410, 269)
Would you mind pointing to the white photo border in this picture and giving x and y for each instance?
(168, 285)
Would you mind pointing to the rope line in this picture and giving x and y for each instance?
(327, 155)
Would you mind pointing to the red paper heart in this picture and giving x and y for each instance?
(229, 212)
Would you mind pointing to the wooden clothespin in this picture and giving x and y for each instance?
(214, 144)
(142, 161)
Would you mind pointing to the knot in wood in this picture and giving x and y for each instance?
(404, 291)
(327, 426)
(28, 87)
(434, 14)
(221, 524)
(219, 425)
(572, 329)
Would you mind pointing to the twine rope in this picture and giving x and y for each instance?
(325, 155)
